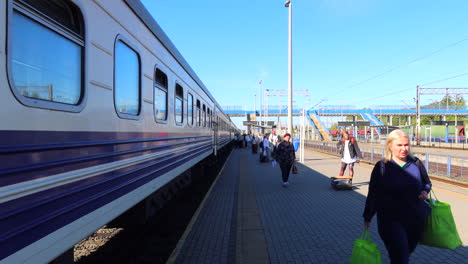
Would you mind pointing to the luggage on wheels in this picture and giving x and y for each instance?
(342, 183)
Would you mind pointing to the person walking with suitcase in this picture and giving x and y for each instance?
(350, 152)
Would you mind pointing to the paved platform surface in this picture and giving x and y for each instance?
(248, 217)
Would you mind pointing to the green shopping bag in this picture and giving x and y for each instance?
(439, 229)
(364, 251)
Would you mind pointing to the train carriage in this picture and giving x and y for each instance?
(98, 111)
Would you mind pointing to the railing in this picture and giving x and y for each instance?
(451, 166)
(232, 107)
(283, 108)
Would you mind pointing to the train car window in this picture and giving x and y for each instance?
(190, 109)
(160, 96)
(198, 114)
(46, 47)
(204, 115)
(179, 104)
(126, 80)
(208, 117)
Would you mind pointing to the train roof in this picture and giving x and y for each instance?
(140, 10)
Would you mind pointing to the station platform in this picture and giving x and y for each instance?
(248, 217)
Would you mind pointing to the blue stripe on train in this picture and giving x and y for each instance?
(23, 163)
(46, 213)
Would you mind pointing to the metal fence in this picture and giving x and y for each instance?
(452, 166)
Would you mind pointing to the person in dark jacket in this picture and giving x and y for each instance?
(349, 151)
(285, 156)
(398, 186)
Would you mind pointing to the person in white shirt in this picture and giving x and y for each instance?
(254, 144)
(273, 139)
(248, 139)
(350, 152)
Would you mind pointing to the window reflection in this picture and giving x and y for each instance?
(198, 114)
(160, 104)
(204, 116)
(179, 107)
(178, 110)
(45, 65)
(127, 81)
(190, 110)
(160, 95)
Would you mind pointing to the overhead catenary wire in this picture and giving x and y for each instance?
(410, 62)
(412, 88)
(406, 64)
(385, 95)
(445, 79)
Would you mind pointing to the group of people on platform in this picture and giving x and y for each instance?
(399, 185)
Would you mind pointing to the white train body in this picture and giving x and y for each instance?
(84, 135)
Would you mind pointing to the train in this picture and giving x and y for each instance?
(99, 111)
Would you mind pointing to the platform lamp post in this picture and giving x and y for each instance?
(290, 94)
(261, 105)
(418, 117)
(255, 104)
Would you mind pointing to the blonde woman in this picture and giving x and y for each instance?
(398, 186)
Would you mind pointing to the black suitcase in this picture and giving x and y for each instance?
(342, 183)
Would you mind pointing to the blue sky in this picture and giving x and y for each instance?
(362, 53)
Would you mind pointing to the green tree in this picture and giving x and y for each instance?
(452, 102)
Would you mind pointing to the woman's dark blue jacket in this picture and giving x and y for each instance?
(394, 195)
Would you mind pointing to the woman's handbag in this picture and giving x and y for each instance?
(440, 229)
(364, 251)
(294, 168)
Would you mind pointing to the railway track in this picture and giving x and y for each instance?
(127, 240)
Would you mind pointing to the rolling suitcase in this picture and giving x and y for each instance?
(342, 183)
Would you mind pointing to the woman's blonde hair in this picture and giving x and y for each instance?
(395, 134)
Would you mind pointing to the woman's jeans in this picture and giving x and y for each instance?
(400, 237)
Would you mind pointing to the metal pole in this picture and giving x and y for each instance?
(446, 96)
(255, 105)
(430, 136)
(418, 117)
(261, 105)
(302, 136)
(266, 105)
(290, 93)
